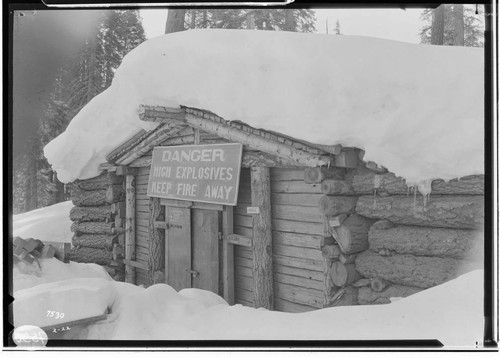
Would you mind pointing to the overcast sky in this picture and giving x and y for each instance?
(393, 24)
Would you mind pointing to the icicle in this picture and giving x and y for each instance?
(425, 188)
(377, 180)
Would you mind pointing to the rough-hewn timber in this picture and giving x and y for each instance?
(426, 241)
(409, 270)
(465, 212)
(91, 213)
(95, 241)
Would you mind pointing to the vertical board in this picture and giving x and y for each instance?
(205, 249)
(227, 256)
(178, 248)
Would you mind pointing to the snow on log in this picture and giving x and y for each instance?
(100, 182)
(318, 174)
(336, 187)
(93, 227)
(419, 271)
(91, 213)
(365, 181)
(367, 296)
(343, 275)
(88, 198)
(114, 194)
(352, 235)
(426, 241)
(465, 212)
(336, 205)
(95, 241)
(90, 255)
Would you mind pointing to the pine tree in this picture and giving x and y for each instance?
(337, 28)
(298, 20)
(472, 25)
(116, 33)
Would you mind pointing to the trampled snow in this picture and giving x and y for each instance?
(51, 223)
(415, 109)
(451, 312)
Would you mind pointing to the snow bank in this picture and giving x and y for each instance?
(51, 223)
(68, 300)
(415, 109)
(451, 312)
(52, 270)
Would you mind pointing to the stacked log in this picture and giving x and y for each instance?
(416, 244)
(97, 221)
(349, 231)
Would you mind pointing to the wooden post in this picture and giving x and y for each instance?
(262, 238)
(156, 248)
(227, 255)
(130, 227)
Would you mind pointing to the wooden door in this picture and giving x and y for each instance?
(178, 247)
(205, 249)
(192, 248)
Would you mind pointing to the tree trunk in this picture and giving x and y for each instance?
(352, 235)
(156, 249)
(262, 271)
(88, 198)
(336, 187)
(336, 205)
(193, 19)
(408, 270)
(290, 24)
(175, 20)
(114, 194)
(463, 212)
(104, 242)
(366, 296)
(425, 241)
(93, 227)
(90, 255)
(91, 213)
(366, 181)
(458, 25)
(437, 30)
(100, 182)
(343, 275)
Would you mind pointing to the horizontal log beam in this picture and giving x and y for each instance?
(426, 241)
(239, 240)
(91, 213)
(367, 296)
(409, 270)
(465, 212)
(100, 182)
(365, 181)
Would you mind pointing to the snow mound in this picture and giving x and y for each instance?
(51, 223)
(72, 299)
(451, 313)
(52, 270)
(415, 109)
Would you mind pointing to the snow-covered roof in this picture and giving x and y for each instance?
(415, 109)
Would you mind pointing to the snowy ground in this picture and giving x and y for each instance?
(451, 312)
(51, 223)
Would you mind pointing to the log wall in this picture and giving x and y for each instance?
(416, 242)
(97, 222)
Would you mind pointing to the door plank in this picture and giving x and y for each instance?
(178, 247)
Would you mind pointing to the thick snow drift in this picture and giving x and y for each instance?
(51, 223)
(451, 312)
(415, 109)
(62, 301)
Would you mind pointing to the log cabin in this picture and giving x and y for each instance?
(311, 226)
